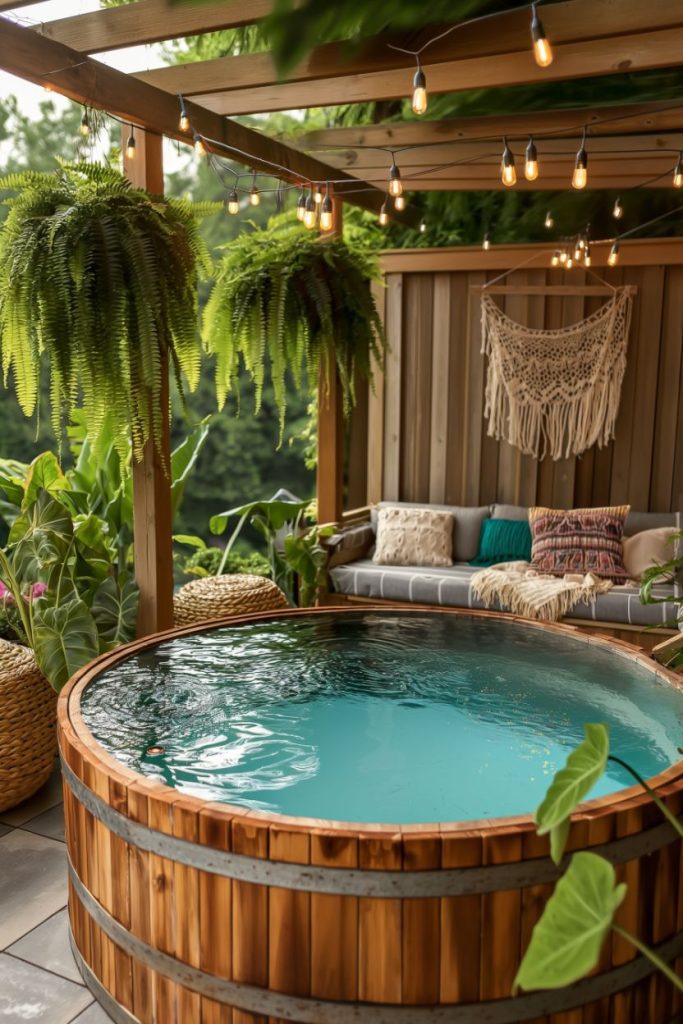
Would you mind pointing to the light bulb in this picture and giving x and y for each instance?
(317, 195)
(254, 196)
(570, 263)
(555, 260)
(184, 121)
(419, 92)
(618, 211)
(400, 202)
(384, 215)
(310, 212)
(542, 49)
(395, 183)
(678, 173)
(531, 162)
(130, 147)
(47, 87)
(580, 176)
(613, 257)
(423, 227)
(587, 255)
(564, 256)
(577, 252)
(549, 222)
(486, 244)
(199, 147)
(301, 206)
(326, 214)
(85, 124)
(234, 202)
(509, 174)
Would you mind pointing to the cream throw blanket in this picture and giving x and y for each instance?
(555, 392)
(522, 591)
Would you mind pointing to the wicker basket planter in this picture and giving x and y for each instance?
(28, 728)
(214, 597)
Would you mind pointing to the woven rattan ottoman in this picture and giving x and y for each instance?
(214, 597)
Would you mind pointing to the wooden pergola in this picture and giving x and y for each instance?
(630, 145)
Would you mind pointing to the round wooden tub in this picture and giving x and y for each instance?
(184, 911)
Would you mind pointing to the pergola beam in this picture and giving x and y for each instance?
(591, 58)
(31, 56)
(634, 118)
(150, 21)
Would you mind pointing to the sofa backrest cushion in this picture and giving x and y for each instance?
(636, 522)
(515, 512)
(466, 524)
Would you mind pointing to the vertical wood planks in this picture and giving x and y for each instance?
(421, 925)
(215, 911)
(440, 390)
(501, 920)
(669, 386)
(140, 902)
(473, 413)
(393, 389)
(162, 909)
(455, 414)
(187, 906)
(375, 460)
(644, 349)
(334, 922)
(379, 924)
(250, 933)
(289, 918)
(460, 923)
(416, 387)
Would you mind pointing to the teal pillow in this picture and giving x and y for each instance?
(503, 540)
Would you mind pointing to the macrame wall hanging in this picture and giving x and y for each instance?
(555, 392)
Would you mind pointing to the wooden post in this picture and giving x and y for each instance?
(330, 482)
(152, 516)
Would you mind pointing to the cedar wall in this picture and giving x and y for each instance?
(422, 435)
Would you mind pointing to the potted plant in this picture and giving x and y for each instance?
(285, 301)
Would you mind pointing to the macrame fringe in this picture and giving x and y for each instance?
(555, 393)
(524, 592)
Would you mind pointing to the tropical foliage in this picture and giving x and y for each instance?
(657, 574)
(101, 279)
(566, 942)
(288, 302)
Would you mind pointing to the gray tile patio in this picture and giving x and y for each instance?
(39, 980)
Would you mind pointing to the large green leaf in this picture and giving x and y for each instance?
(40, 537)
(275, 513)
(44, 474)
(584, 767)
(64, 640)
(115, 610)
(183, 460)
(565, 944)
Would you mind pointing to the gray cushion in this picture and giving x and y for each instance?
(466, 528)
(450, 587)
(516, 512)
(636, 522)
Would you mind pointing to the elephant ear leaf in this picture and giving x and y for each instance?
(565, 944)
(115, 611)
(64, 640)
(584, 767)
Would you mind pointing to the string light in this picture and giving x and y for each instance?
(555, 260)
(130, 145)
(423, 226)
(549, 222)
(486, 244)
(184, 121)
(85, 124)
(395, 183)
(326, 212)
(400, 202)
(618, 211)
(310, 212)
(199, 147)
(587, 255)
(580, 176)
(569, 263)
(508, 172)
(384, 215)
(301, 205)
(564, 256)
(678, 172)
(613, 257)
(318, 195)
(531, 162)
(234, 202)
(542, 49)
(419, 91)
(577, 251)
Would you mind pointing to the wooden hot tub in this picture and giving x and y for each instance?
(187, 911)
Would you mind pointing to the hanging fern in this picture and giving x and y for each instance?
(103, 281)
(292, 302)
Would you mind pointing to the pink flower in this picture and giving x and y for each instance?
(37, 590)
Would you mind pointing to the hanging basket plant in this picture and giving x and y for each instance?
(284, 301)
(102, 280)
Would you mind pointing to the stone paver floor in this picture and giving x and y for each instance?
(39, 980)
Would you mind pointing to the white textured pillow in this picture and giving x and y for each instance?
(414, 536)
(648, 548)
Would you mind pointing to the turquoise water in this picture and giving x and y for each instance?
(379, 717)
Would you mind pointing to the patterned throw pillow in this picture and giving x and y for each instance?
(579, 540)
(414, 536)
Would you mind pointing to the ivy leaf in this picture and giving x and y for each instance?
(64, 640)
(115, 611)
(584, 767)
(565, 944)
